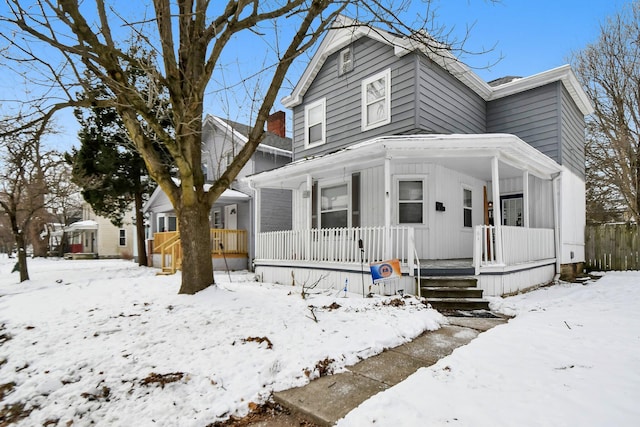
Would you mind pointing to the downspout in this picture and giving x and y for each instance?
(556, 222)
(387, 206)
(255, 201)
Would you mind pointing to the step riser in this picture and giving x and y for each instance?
(444, 283)
(451, 293)
(460, 305)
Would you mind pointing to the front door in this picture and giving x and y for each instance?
(512, 210)
(231, 217)
(229, 238)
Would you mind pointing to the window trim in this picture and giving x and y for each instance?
(404, 178)
(465, 208)
(342, 63)
(122, 235)
(386, 74)
(332, 184)
(307, 108)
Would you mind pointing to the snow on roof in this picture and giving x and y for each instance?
(82, 225)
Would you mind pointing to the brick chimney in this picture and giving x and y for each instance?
(276, 123)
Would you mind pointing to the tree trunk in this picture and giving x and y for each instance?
(22, 257)
(197, 265)
(142, 244)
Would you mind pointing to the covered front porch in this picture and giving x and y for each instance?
(229, 236)
(81, 240)
(491, 199)
(229, 249)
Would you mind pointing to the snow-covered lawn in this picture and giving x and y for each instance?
(571, 357)
(109, 343)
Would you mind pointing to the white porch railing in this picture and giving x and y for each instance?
(338, 245)
(519, 245)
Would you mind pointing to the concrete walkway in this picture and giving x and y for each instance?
(327, 399)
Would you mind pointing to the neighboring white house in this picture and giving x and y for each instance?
(96, 236)
(232, 216)
(404, 152)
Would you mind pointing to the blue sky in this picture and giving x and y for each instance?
(531, 36)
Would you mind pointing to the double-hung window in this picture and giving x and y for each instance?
(334, 206)
(376, 100)
(122, 237)
(315, 123)
(467, 205)
(411, 202)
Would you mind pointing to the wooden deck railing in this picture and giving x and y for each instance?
(167, 244)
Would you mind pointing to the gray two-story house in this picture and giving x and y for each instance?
(402, 152)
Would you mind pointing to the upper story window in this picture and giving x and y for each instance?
(376, 100)
(315, 123)
(345, 61)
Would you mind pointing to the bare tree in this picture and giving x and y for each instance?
(25, 175)
(609, 70)
(64, 205)
(193, 41)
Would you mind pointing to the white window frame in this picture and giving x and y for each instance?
(323, 122)
(332, 184)
(465, 208)
(345, 66)
(424, 200)
(122, 234)
(386, 74)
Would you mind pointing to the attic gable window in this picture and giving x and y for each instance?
(345, 62)
(376, 100)
(315, 123)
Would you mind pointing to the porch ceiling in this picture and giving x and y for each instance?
(469, 154)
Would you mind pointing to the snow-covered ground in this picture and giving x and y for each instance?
(110, 343)
(571, 357)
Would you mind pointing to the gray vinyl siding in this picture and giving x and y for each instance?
(533, 116)
(343, 98)
(445, 104)
(275, 214)
(572, 135)
(267, 161)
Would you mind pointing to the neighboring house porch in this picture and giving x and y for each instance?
(418, 198)
(230, 219)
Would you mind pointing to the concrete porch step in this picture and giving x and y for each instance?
(449, 282)
(459, 303)
(451, 292)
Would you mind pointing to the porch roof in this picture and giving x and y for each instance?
(159, 202)
(470, 154)
(82, 225)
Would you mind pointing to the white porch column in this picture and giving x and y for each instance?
(257, 203)
(309, 200)
(497, 208)
(307, 239)
(525, 199)
(387, 207)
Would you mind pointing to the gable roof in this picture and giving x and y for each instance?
(271, 143)
(345, 31)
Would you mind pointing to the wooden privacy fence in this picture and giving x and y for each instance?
(612, 247)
